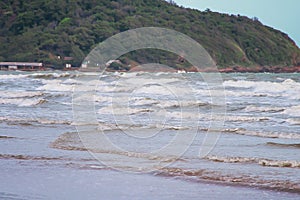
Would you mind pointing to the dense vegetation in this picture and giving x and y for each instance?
(42, 30)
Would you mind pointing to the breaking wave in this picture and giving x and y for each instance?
(293, 111)
(260, 161)
(287, 88)
(241, 131)
(20, 94)
(293, 121)
(56, 86)
(52, 75)
(48, 75)
(252, 108)
(23, 102)
(29, 122)
(222, 178)
(12, 76)
(274, 144)
(71, 141)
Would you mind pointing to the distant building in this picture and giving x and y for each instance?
(68, 66)
(21, 66)
(12, 67)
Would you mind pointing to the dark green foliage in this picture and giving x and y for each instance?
(42, 30)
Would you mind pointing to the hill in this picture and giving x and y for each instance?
(64, 31)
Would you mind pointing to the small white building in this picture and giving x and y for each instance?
(12, 67)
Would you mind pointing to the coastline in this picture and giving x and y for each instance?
(231, 69)
(260, 69)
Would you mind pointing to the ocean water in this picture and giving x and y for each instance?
(75, 135)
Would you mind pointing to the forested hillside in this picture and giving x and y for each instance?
(60, 31)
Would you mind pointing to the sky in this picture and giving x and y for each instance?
(283, 15)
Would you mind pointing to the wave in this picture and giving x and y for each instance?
(23, 102)
(245, 118)
(252, 108)
(288, 88)
(149, 81)
(263, 85)
(29, 122)
(42, 158)
(71, 141)
(6, 137)
(27, 157)
(148, 102)
(241, 131)
(293, 111)
(283, 145)
(12, 76)
(181, 104)
(260, 161)
(229, 179)
(114, 110)
(144, 102)
(57, 87)
(277, 163)
(20, 94)
(230, 93)
(118, 126)
(231, 159)
(38, 75)
(52, 75)
(293, 121)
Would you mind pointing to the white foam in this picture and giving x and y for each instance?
(19, 94)
(13, 76)
(51, 75)
(50, 121)
(231, 159)
(181, 103)
(56, 86)
(265, 134)
(70, 81)
(23, 102)
(192, 116)
(51, 81)
(280, 163)
(144, 101)
(153, 89)
(292, 111)
(18, 120)
(245, 118)
(293, 121)
(288, 88)
(148, 81)
(260, 161)
(239, 84)
(116, 110)
(230, 93)
(253, 108)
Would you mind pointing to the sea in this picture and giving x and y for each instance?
(142, 135)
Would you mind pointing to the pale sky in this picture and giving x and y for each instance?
(283, 15)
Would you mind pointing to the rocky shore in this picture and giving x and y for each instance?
(261, 69)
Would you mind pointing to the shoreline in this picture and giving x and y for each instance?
(261, 69)
(234, 69)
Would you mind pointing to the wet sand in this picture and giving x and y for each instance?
(64, 175)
